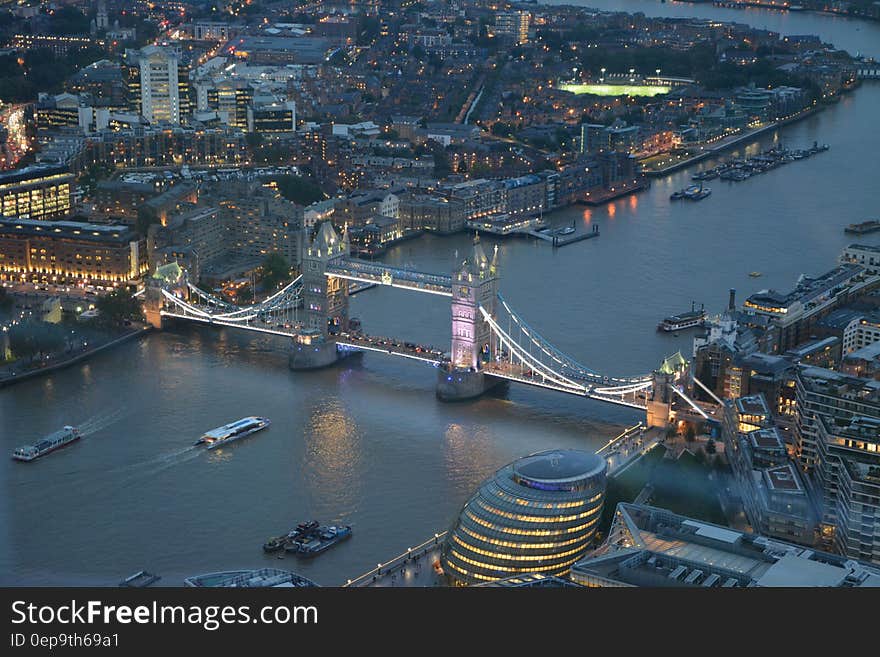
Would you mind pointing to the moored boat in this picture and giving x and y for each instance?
(863, 227)
(323, 539)
(302, 530)
(684, 320)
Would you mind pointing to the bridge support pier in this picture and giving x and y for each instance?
(459, 385)
(312, 356)
(153, 306)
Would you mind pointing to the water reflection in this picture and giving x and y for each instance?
(333, 458)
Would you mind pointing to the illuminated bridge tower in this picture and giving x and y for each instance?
(475, 284)
(325, 301)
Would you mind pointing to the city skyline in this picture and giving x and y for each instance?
(459, 288)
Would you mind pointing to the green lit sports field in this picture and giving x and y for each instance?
(614, 89)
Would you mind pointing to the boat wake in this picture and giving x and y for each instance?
(100, 422)
(162, 462)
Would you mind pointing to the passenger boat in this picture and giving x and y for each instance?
(258, 578)
(323, 539)
(233, 431)
(48, 444)
(568, 230)
(755, 274)
(684, 320)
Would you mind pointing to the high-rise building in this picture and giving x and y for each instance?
(160, 85)
(848, 468)
(535, 515)
(102, 19)
(837, 438)
(514, 24)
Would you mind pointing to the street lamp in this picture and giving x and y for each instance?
(631, 72)
(603, 75)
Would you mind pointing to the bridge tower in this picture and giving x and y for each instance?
(474, 284)
(325, 301)
(659, 403)
(170, 277)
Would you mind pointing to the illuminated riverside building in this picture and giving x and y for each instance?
(70, 252)
(535, 515)
(36, 192)
(796, 313)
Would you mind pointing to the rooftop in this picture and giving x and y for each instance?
(783, 478)
(752, 405)
(837, 384)
(69, 229)
(557, 466)
(649, 546)
(766, 438)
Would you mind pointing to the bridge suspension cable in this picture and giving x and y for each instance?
(572, 368)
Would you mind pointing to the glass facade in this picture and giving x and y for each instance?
(536, 515)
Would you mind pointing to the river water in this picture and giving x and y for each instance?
(367, 443)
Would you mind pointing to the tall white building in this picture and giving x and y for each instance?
(160, 93)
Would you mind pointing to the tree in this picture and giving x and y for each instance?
(276, 271)
(146, 217)
(117, 307)
(298, 189)
(35, 338)
(5, 300)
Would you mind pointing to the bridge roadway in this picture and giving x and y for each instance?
(392, 346)
(513, 372)
(407, 279)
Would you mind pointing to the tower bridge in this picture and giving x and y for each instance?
(491, 343)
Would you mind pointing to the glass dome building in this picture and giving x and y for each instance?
(535, 515)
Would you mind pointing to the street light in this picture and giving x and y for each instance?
(603, 75)
(631, 72)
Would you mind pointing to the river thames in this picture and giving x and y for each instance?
(367, 443)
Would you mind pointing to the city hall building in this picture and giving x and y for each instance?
(535, 515)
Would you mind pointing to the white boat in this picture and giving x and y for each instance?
(233, 431)
(48, 444)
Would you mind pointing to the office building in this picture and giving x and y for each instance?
(36, 192)
(431, 213)
(164, 86)
(535, 515)
(648, 546)
(272, 118)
